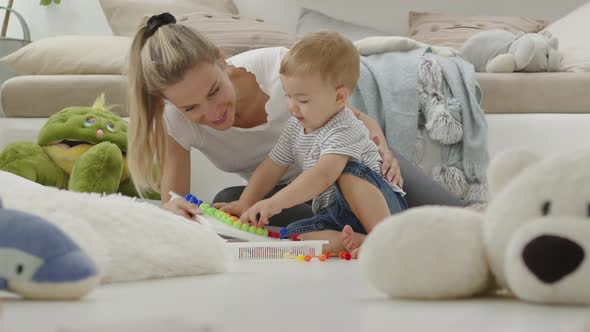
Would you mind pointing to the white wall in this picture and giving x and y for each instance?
(391, 15)
(71, 17)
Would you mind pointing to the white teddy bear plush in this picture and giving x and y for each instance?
(533, 239)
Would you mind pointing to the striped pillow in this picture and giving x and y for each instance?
(125, 16)
(236, 34)
(452, 31)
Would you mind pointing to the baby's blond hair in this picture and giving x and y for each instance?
(327, 53)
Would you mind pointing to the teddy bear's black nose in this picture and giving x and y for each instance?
(551, 257)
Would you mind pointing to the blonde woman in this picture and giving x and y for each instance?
(184, 94)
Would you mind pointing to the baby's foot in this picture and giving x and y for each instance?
(351, 241)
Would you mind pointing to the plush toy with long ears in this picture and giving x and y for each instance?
(499, 51)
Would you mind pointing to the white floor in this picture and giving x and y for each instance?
(331, 296)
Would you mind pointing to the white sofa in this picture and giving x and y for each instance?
(551, 129)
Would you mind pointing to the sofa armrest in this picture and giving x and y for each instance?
(44, 95)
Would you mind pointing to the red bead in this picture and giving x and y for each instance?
(347, 256)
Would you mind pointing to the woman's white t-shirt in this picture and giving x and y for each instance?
(240, 150)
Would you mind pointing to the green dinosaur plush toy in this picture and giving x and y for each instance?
(79, 148)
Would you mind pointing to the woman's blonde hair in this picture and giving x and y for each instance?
(157, 59)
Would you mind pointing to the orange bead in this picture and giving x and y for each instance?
(234, 218)
(341, 254)
(322, 258)
(307, 258)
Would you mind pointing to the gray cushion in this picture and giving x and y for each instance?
(311, 20)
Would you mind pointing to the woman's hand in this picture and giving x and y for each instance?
(260, 212)
(235, 208)
(390, 166)
(182, 207)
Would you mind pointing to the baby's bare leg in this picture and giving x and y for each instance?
(365, 200)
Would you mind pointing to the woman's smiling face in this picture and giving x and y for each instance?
(206, 96)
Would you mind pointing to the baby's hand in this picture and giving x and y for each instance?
(260, 212)
(236, 208)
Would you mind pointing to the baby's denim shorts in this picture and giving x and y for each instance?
(339, 214)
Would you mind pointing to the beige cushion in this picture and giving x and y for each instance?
(453, 31)
(574, 43)
(125, 16)
(535, 92)
(71, 55)
(236, 34)
(107, 55)
(42, 96)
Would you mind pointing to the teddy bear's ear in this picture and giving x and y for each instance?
(506, 165)
(552, 41)
(547, 34)
(523, 49)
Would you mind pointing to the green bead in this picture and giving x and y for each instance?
(204, 206)
(252, 229)
(259, 231)
(211, 211)
(237, 224)
(245, 227)
(265, 232)
(204, 209)
(219, 214)
(229, 221)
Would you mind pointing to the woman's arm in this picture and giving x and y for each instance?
(372, 125)
(390, 167)
(176, 171)
(175, 175)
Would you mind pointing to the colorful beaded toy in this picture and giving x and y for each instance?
(228, 225)
(225, 224)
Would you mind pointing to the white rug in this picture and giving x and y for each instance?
(128, 239)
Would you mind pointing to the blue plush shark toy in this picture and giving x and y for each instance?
(39, 261)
